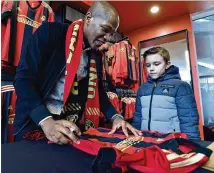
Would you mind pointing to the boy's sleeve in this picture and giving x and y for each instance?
(187, 111)
(137, 115)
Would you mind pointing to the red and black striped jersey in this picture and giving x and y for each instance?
(30, 15)
(8, 99)
(151, 152)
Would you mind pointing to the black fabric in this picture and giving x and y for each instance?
(40, 157)
(13, 32)
(103, 161)
(208, 134)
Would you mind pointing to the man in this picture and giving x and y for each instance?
(58, 78)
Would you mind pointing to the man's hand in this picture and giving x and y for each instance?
(57, 131)
(119, 122)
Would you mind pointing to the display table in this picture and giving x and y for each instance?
(40, 157)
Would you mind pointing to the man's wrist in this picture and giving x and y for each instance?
(116, 116)
(45, 119)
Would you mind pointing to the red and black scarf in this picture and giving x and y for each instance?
(73, 52)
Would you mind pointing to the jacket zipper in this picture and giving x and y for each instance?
(150, 106)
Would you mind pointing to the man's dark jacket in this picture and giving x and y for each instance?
(39, 69)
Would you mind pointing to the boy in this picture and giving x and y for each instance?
(165, 103)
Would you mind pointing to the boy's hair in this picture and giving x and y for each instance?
(158, 50)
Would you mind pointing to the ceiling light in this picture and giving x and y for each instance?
(154, 9)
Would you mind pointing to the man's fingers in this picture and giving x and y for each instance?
(68, 133)
(132, 129)
(71, 125)
(139, 132)
(74, 138)
(63, 139)
(114, 128)
(59, 135)
(124, 128)
(54, 139)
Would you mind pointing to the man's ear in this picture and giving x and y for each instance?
(168, 64)
(88, 17)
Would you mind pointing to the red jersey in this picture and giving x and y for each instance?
(8, 98)
(151, 152)
(30, 15)
(114, 100)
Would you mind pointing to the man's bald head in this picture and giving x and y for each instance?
(104, 9)
(101, 21)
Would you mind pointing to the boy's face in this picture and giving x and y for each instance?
(156, 66)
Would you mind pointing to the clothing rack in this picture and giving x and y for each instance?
(125, 92)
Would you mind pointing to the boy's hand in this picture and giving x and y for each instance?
(59, 131)
(119, 122)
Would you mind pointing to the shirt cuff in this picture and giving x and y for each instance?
(116, 116)
(44, 119)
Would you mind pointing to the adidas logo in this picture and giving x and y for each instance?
(165, 91)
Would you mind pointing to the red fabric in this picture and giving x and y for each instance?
(148, 160)
(153, 159)
(143, 159)
(114, 100)
(22, 19)
(123, 66)
(73, 51)
(93, 144)
(10, 107)
(92, 107)
(35, 135)
(11, 117)
(128, 104)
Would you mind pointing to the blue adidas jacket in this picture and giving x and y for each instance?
(167, 105)
(39, 69)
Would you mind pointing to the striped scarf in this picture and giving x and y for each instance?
(73, 51)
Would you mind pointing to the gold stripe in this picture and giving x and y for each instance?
(173, 156)
(92, 110)
(95, 109)
(7, 86)
(190, 161)
(29, 19)
(88, 111)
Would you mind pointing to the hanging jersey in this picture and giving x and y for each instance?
(114, 100)
(128, 107)
(133, 63)
(120, 67)
(8, 99)
(30, 15)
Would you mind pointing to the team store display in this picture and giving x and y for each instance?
(19, 20)
(151, 152)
